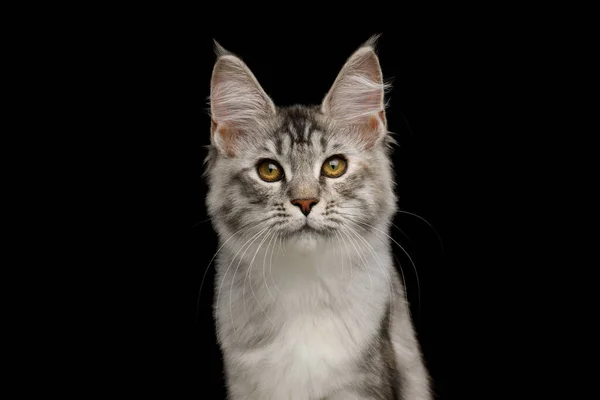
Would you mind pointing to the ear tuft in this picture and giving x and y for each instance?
(219, 50)
(372, 42)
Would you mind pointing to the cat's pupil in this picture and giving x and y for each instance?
(271, 168)
(333, 164)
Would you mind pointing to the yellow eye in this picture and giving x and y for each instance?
(334, 167)
(269, 171)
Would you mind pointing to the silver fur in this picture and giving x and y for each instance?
(308, 307)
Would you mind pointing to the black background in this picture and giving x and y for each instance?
(452, 106)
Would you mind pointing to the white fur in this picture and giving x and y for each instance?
(314, 353)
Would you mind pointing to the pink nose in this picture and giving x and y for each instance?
(305, 204)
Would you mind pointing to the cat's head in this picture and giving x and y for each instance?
(305, 173)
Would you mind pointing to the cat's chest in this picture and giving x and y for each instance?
(326, 335)
(315, 321)
(312, 351)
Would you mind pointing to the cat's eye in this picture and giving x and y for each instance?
(334, 167)
(269, 171)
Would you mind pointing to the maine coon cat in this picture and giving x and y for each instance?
(308, 304)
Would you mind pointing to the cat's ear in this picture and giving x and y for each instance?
(357, 95)
(236, 100)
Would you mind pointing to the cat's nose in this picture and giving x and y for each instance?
(305, 204)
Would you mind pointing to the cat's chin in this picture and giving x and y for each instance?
(304, 241)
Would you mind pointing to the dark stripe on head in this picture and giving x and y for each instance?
(279, 144)
(324, 140)
(301, 122)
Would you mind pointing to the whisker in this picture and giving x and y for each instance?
(207, 268)
(275, 234)
(230, 264)
(339, 250)
(383, 269)
(248, 271)
(350, 260)
(407, 255)
(362, 217)
(271, 262)
(249, 276)
(352, 241)
(427, 222)
(201, 222)
(402, 232)
(284, 248)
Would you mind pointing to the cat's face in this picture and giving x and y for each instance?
(304, 174)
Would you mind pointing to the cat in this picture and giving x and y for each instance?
(308, 304)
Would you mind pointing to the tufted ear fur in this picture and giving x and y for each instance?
(236, 100)
(357, 96)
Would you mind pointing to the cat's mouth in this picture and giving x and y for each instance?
(305, 234)
(307, 228)
(310, 228)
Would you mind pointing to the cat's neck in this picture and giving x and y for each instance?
(336, 266)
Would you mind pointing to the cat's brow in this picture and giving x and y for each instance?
(298, 126)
